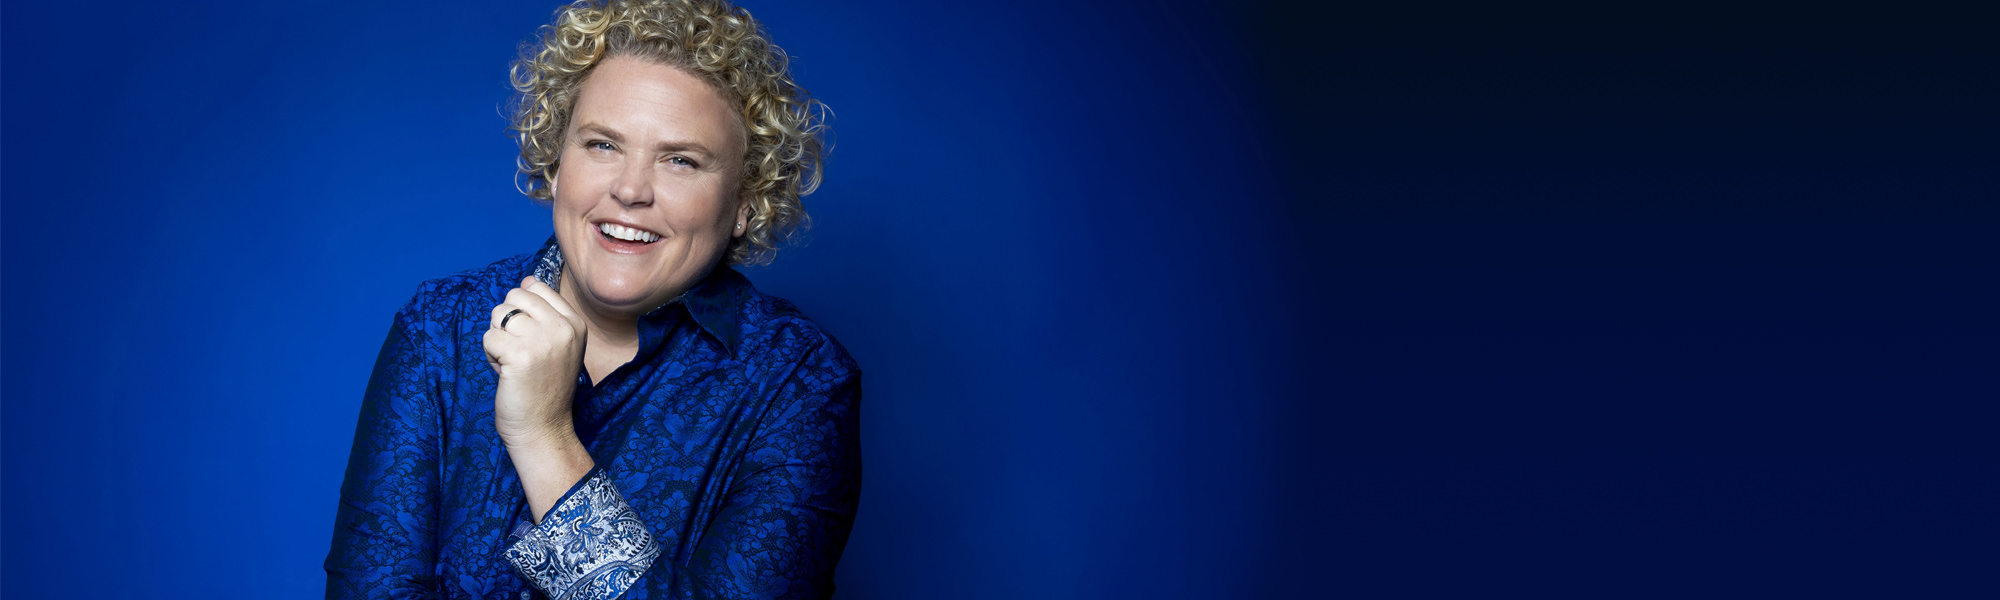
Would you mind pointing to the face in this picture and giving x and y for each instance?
(645, 193)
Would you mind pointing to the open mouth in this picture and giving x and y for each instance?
(621, 233)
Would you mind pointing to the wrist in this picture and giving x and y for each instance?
(548, 465)
(553, 435)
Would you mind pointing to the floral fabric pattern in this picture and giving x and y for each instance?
(590, 546)
(732, 439)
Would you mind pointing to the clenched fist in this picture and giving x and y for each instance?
(537, 356)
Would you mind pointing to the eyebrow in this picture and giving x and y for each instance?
(668, 146)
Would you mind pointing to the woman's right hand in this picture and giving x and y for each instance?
(537, 356)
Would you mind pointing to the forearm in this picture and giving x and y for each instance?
(587, 542)
(549, 465)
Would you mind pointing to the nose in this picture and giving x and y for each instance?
(635, 184)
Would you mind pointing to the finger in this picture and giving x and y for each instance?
(497, 342)
(536, 307)
(501, 321)
(554, 299)
(503, 348)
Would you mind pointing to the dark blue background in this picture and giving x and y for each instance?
(1153, 300)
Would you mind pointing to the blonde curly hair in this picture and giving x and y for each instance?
(721, 44)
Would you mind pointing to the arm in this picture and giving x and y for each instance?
(585, 543)
(591, 546)
(784, 524)
(536, 358)
(384, 534)
(778, 533)
(581, 539)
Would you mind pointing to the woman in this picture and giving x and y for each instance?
(619, 414)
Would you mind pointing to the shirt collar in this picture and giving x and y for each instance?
(715, 303)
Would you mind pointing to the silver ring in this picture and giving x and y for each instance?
(503, 320)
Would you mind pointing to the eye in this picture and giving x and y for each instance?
(682, 161)
(599, 145)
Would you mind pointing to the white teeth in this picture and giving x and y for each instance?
(626, 233)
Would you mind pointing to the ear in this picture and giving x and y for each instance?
(742, 219)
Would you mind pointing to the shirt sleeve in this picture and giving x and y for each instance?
(384, 534)
(786, 518)
(590, 546)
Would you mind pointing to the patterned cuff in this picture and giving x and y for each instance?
(590, 546)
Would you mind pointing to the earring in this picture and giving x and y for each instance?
(739, 225)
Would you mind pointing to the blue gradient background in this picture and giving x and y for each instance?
(1152, 301)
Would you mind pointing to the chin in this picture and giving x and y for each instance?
(620, 295)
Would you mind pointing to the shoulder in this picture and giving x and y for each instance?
(471, 292)
(774, 330)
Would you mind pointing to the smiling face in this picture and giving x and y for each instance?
(645, 194)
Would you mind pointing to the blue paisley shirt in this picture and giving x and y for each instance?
(728, 457)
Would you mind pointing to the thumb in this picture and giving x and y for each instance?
(488, 344)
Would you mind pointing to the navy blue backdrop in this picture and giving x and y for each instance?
(1163, 300)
